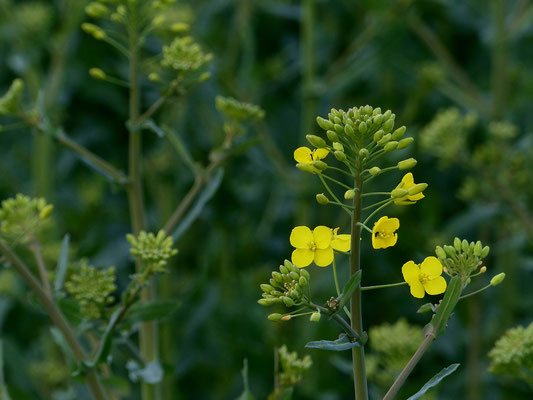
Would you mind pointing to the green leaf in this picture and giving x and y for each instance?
(342, 343)
(426, 308)
(151, 310)
(434, 381)
(62, 262)
(105, 343)
(71, 310)
(246, 394)
(348, 290)
(447, 305)
(4, 394)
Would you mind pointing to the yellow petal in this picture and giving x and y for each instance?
(324, 257)
(417, 290)
(377, 224)
(322, 236)
(435, 286)
(390, 225)
(431, 266)
(303, 155)
(319, 154)
(408, 180)
(410, 272)
(302, 257)
(416, 197)
(341, 244)
(379, 242)
(301, 236)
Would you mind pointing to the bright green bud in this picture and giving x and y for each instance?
(93, 30)
(275, 317)
(158, 20)
(398, 133)
(406, 164)
(288, 301)
(348, 130)
(376, 111)
(303, 282)
(337, 121)
(335, 112)
(363, 128)
(204, 76)
(338, 146)
(306, 168)
(46, 211)
(387, 126)
(315, 317)
(320, 165)
(305, 274)
(385, 139)
(179, 27)
(497, 279)
(96, 10)
(450, 251)
(283, 269)
(332, 136)
(363, 153)
(386, 115)
(457, 244)
(277, 276)
(154, 77)
(390, 146)
(418, 188)
(97, 73)
(485, 252)
(349, 194)
(402, 144)
(378, 135)
(441, 254)
(266, 288)
(398, 192)
(324, 123)
(465, 245)
(316, 141)
(478, 248)
(482, 270)
(339, 129)
(289, 266)
(374, 171)
(265, 302)
(376, 121)
(322, 199)
(339, 155)
(294, 275)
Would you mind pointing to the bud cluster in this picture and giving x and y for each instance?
(21, 217)
(512, 354)
(184, 55)
(463, 258)
(237, 110)
(288, 286)
(292, 367)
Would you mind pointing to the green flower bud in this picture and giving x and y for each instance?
(294, 275)
(93, 30)
(406, 164)
(339, 155)
(288, 301)
(376, 111)
(277, 276)
(482, 270)
(450, 251)
(265, 302)
(179, 27)
(478, 247)
(339, 129)
(316, 141)
(485, 252)
(335, 112)
(363, 153)
(418, 188)
(398, 133)
(363, 128)
(387, 126)
(283, 269)
(349, 194)
(306, 168)
(384, 139)
(374, 171)
(337, 121)
(97, 73)
(390, 146)
(398, 192)
(320, 165)
(338, 146)
(386, 115)
(266, 288)
(154, 77)
(46, 211)
(96, 10)
(324, 123)
(348, 130)
(402, 144)
(378, 135)
(376, 121)
(332, 136)
(441, 254)
(303, 282)
(204, 76)
(315, 317)
(457, 244)
(273, 283)
(322, 199)
(465, 245)
(287, 264)
(275, 317)
(286, 318)
(497, 279)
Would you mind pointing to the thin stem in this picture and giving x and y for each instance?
(341, 170)
(337, 288)
(93, 381)
(340, 204)
(475, 292)
(376, 194)
(184, 205)
(337, 182)
(363, 288)
(35, 248)
(379, 203)
(337, 318)
(377, 210)
(333, 194)
(364, 227)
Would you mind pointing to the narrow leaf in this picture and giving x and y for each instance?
(246, 394)
(426, 308)
(434, 381)
(342, 343)
(62, 262)
(348, 290)
(151, 310)
(445, 308)
(105, 343)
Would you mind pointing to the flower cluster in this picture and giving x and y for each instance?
(292, 367)
(317, 246)
(463, 258)
(184, 55)
(237, 110)
(288, 286)
(22, 216)
(92, 289)
(513, 354)
(407, 192)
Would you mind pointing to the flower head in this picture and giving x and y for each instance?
(305, 155)
(383, 235)
(414, 191)
(312, 246)
(340, 242)
(424, 278)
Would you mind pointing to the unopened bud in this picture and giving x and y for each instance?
(46, 211)
(320, 165)
(97, 73)
(340, 155)
(265, 302)
(306, 168)
(324, 123)
(390, 146)
(376, 121)
(303, 282)
(96, 10)
(450, 251)
(402, 144)
(385, 139)
(315, 317)
(288, 302)
(363, 128)
(441, 254)
(277, 276)
(287, 264)
(154, 77)
(482, 270)
(322, 199)
(266, 288)
(457, 244)
(332, 136)
(497, 279)
(158, 20)
(275, 317)
(283, 269)
(348, 129)
(286, 318)
(418, 188)
(465, 245)
(398, 133)
(374, 171)
(378, 135)
(338, 128)
(363, 153)
(407, 164)
(316, 141)
(398, 193)
(478, 247)
(179, 27)
(349, 194)
(485, 252)
(387, 126)
(338, 146)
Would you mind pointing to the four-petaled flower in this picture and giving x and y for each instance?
(341, 242)
(407, 182)
(317, 245)
(305, 155)
(424, 278)
(383, 235)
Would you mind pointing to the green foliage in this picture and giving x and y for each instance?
(22, 217)
(10, 102)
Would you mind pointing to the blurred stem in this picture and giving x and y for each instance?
(308, 65)
(358, 353)
(499, 59)
(35, 248)
(93, 381)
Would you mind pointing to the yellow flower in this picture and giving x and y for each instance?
(341, 242)
(425, 278)
(311, 246)
(305, 155)
(407, 183)
(383, 235)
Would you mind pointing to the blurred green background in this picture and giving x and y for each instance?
(458, 74)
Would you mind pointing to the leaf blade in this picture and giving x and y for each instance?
(434, 381)
(348, 289)
(341, 344)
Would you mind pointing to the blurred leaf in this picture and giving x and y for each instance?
(434, 381)
(348, 290)
(62, 262)
(151, 310)
(71, 310)
(4, 394)
(180, 148)
(426, 308)
(342, 343)
(246, 394)
(106, 340)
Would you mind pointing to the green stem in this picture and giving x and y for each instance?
(337, 318)
(333, 194)
(340, 204)
(375, 204)
(363, 288)
(337, 182)
(337, 288)
(365, 227)
(358, 353)
(341, 170)
(475, 292)
(376, 194)
(377, 210)
(35, 248)
(308, 65)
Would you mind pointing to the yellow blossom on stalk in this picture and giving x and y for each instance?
(383, 235)
(424, 278)
(312, 246)
(341, 242)
(305, 155)
(408, 183)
